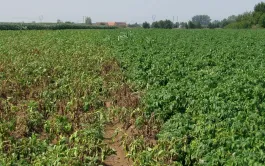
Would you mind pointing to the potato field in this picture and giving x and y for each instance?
(162, 97)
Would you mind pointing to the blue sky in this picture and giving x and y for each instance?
(119, 10)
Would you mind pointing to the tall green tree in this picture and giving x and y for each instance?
(161, 24)
(198, 25)
(229, 20)
(146, 25)
(215, 24)
(168, 24)
(260, 7)
(204, 20)
(246, 16)
(262, 21)
(256, 17)
(155, 25)
(191, 25)
(232, 18)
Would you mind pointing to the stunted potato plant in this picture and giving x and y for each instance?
(51, 98)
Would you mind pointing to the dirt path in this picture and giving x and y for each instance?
(120, 158)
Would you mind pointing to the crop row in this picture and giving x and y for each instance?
(207, 86)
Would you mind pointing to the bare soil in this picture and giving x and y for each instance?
(123, 97)
(120, 97)
(120, 158)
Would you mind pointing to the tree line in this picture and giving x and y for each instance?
(255, 19)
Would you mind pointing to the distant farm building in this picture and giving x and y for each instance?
(116, 24)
